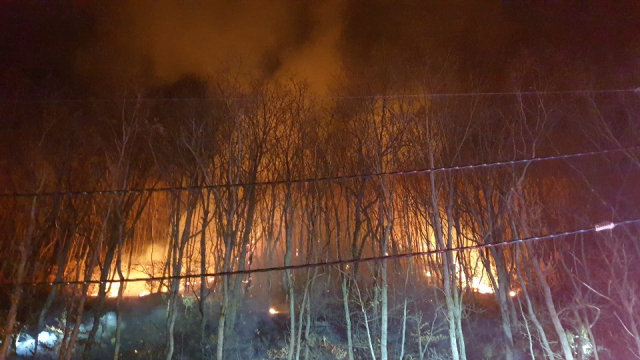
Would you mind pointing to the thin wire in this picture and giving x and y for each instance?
(377, 96)
(335, 262)
(320, 179)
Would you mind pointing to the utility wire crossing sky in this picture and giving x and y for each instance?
(597, 228)
(322, 179)
(372, 96)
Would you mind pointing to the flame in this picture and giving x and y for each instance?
(273, 311)
(132, 288)
(480, 286)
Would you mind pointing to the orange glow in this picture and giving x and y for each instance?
(134, 288)
(481, 286)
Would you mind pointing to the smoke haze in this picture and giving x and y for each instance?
(116, 47)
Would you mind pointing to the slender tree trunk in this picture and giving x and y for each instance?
(236, 291)
(305, 312)
(288, 223)
(366, 321)
(180, 241)
(69, 339)
(548, 300)
(66, 351)
(67, 347)
(446, 270)
(384, 311)
(229, 239)
(457, 300)
(61, 265)
(116, 352)
(347, 315)
(355, 254)
(530, 309)
(307, 329)
(203, 271)
(501, 286)
(102, 292)
(404, 326)
(221, 321)
(16, 295)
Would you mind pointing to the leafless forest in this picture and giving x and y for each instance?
(178, 184)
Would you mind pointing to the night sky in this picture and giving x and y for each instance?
(84, 49)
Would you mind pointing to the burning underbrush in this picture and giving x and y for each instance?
(142, 322)
(261, 308)
(260, 331)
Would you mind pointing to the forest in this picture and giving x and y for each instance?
(222, 219)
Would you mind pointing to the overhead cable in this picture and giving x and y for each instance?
(609, 225)
(321, 179)
(337, 97)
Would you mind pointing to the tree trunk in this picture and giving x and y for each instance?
(530, 309)
(347, 315)
(366, 321)
(501, 287)
(180, 241)
(102, 294)
(61, 265)
(384, 302)
(203, 278)
(16, 295)
(548, 300)
(221, 321)
(288, 223)
(446, 270)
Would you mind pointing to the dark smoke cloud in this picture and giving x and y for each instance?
(126, 46)
(164, 41)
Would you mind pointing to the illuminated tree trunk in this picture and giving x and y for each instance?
(229, 238)
(178, 243)
(307, 329)
(248, 216)
(404, 312)
(548, 300)
(356, 246)
(547, 297)
(363, 308)
(121, 289)
(288, 223)
(61, 260)
(91, 261)
(448, 268)
(221, 320)
(347, 313)
(501, 287)
(112, 246)
(530, 308)
(457, 299)
(384, 301)
(206, 201)
(487, 216)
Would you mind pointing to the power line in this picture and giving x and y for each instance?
(369, 96)
(596, 228)
(496, 93)
(320, 179)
